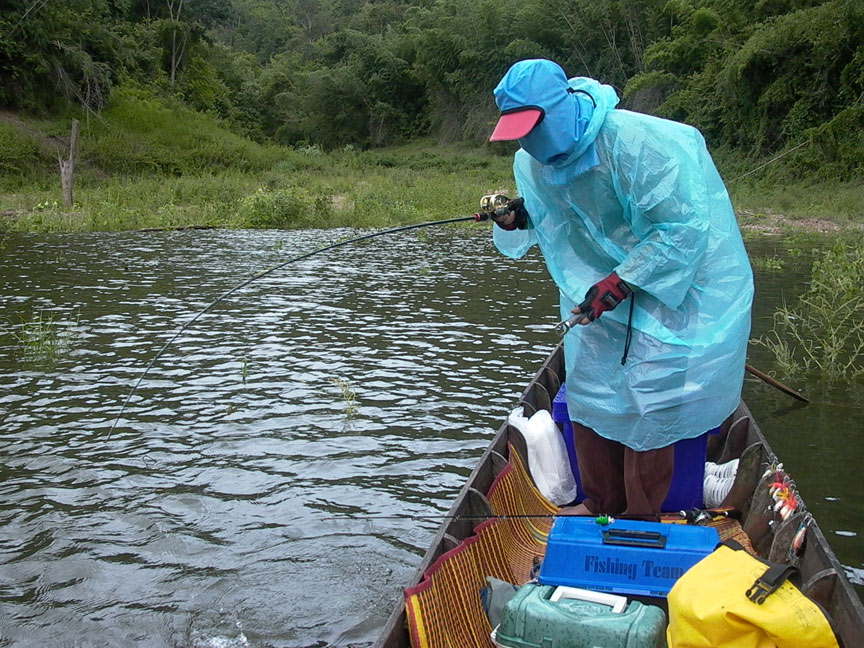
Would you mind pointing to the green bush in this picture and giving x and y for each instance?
(20, 156)
(280, 209)
(824, 331)
(841, 142)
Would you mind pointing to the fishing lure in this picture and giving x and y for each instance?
(783, 492)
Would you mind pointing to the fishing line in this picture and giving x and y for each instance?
(769, 162)
(403, 228)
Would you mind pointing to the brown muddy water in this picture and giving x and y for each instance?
(251, 493)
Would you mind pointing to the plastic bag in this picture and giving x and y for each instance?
(547, 456)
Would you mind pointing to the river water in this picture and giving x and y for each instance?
(260, 486)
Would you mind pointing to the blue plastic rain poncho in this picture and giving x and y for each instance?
(612, 190)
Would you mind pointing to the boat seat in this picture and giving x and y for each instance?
(736, 440)
(784, 534)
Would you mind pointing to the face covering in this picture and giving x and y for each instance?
(543, 84)
(553, 140)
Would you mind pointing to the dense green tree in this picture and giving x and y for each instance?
(757, 75)
(756, 85)
(58, 51)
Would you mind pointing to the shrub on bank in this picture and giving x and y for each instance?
(20, 156)
(289, 208)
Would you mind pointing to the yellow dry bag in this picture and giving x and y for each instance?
(731, 599)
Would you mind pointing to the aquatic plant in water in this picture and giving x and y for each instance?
(348, 396)
(770, 264)
(44, 337)
(824, 330)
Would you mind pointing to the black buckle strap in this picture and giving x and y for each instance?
(770, 582)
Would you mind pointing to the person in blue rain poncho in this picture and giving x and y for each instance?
(629, 212)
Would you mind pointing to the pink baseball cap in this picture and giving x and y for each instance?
(516, 123)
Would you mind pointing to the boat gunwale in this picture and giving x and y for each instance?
(824, 576)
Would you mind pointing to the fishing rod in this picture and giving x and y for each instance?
(487, 212)
(492, 207)
(694, 516)
(600, 519)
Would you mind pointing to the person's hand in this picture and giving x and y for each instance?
(603, 296)
(505, 220)
(516, 216)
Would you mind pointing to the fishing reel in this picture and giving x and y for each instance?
(492, 206)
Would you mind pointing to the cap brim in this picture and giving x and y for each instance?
(515, 124)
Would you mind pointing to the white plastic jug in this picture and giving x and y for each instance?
(547, 456)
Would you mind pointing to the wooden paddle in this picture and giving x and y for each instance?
(775, 383)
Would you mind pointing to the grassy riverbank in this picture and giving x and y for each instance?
(145, 163)
(363, 189)
(303, 190)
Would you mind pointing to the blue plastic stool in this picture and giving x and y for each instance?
(562, 418)
(685, 490)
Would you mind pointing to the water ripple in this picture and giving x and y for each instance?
(363, 382)
(219, 493)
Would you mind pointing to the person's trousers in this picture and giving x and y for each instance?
(618, 480)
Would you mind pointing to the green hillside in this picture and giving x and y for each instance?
(190, 111)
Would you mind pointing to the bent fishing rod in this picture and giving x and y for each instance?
(491, 207)
(487, 211)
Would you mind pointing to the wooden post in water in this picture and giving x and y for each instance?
(67, 167)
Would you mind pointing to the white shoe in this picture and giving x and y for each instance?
(715, 489)
(723, 470)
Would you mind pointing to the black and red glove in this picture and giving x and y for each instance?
(603, 296)
(520, 215)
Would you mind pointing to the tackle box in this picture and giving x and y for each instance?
(549, 617)
(622, 556)
(685, 490)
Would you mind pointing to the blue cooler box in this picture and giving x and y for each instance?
(625, 556)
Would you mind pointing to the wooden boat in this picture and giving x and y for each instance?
(823, 576)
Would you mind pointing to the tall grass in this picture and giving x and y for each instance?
(823, 331)
(44, 336)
